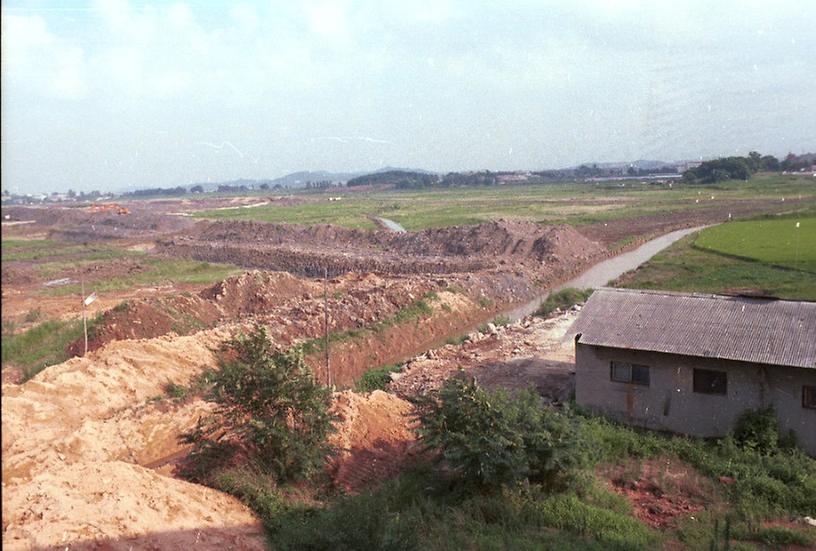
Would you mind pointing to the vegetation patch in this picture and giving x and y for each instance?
(42, 346)
(159, 272)
(376, 379)
(683, 267)
(563, 299)
(270, 409)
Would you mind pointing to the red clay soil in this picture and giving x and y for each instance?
(374, 439)
(662, 491)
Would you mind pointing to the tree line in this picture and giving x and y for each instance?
(742, 168)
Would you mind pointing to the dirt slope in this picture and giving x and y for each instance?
(116, 505)
(68, 398)
(374, 438)
(80, 438)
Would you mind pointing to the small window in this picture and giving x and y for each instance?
(624, 372)
(707, 381)
(809, 397)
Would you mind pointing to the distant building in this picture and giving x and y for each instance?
(693, 364)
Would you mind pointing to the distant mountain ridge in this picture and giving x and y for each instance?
(301, 178)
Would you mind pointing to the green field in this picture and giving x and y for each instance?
(159, 271)
(754, 263)
(573, 203)
(787, 242)
(54, 259)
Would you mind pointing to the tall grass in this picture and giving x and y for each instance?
(41, 346)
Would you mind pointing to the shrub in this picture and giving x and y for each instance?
(376, 379)
(758, 430)
(490, 439)
(269, 406)
(565, 298)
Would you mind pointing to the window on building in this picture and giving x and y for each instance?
(708, 381)
(625, 372)
(809, 397)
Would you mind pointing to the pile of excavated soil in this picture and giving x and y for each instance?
(52, 416)
(373, 438)
(116, 505)
(311, 249)
(79, 437)
(293, 308)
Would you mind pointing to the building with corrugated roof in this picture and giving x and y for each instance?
(693, 363)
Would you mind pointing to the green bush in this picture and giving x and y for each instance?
(491, 439)
(376, 379)
(758, 430)
(563, 299)
(269, 406)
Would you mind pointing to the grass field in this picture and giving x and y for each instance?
(787, 242)
(55, 258)
(53, 251)
(160, 271)
(749, 263)
(573, 203)
(43, 345)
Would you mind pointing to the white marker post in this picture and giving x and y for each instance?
(85, 303)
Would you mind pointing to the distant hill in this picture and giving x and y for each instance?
(301, 178)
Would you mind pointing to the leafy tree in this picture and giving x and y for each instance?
(198, 188)
(264, 186)
(491, 439)
(769, 162)
(269, 408)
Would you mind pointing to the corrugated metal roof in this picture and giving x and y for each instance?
(779, 332)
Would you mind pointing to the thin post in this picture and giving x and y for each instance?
(326, 321)
(84, 316)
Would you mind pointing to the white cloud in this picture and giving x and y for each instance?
(38, 60)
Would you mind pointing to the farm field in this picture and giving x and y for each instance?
(574, 203)
(789, 242)
(723, 260)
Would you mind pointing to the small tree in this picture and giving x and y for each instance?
(491, 439)
(270, 407)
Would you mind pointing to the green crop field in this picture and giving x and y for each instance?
(687, 267)
(787, 242)
(573, 203)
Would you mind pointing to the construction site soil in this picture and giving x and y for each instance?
(310, 250)
(89, 445)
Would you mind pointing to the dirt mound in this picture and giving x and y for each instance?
(44, 412)
(257, 292)
(309, 249)
(292, 307)
(115, 505)
(374, 438)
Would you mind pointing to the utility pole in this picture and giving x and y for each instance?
(326, 321)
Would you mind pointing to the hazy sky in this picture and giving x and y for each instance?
(111, 94)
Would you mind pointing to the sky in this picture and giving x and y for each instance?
(112, 95)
